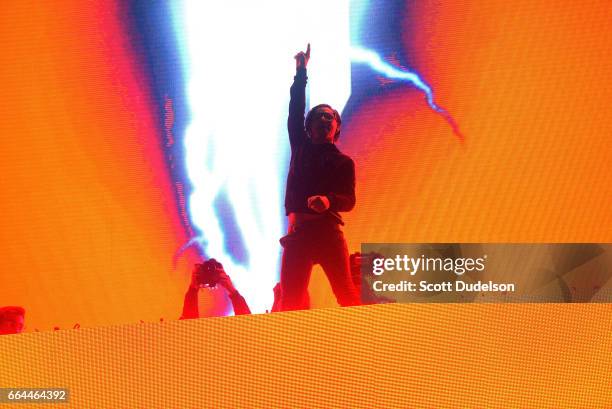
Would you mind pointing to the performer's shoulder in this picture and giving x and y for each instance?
(345, 160)
(344, 156)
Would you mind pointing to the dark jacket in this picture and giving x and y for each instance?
(315, 169)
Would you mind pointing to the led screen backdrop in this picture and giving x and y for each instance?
(378, 356)
(139, 137)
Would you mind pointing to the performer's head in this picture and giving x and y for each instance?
(323, 124)
(11, 320)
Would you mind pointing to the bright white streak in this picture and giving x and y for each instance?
(238, 58)
(373, 60)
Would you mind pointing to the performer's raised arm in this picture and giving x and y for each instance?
(297, 104)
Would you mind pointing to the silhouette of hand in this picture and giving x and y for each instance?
(318, 203)
(301, 58)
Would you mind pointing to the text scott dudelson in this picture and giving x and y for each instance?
(458, 285)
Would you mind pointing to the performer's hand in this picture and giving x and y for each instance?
(301, 58)
(318, 203)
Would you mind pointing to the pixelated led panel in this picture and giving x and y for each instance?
(430, 355)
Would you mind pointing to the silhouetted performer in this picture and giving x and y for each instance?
(320, 184)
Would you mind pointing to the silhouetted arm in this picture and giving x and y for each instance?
(238, 302)
(297, 103)
(190, 304)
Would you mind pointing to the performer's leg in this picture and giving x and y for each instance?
(295, 274)
(334, 259)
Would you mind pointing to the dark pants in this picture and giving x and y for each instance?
(316, 242)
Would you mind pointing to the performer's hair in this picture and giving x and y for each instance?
(11, 311)
(309, 119)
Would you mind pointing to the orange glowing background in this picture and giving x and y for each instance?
(529, 84)
(89, 223)
(89, 218)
